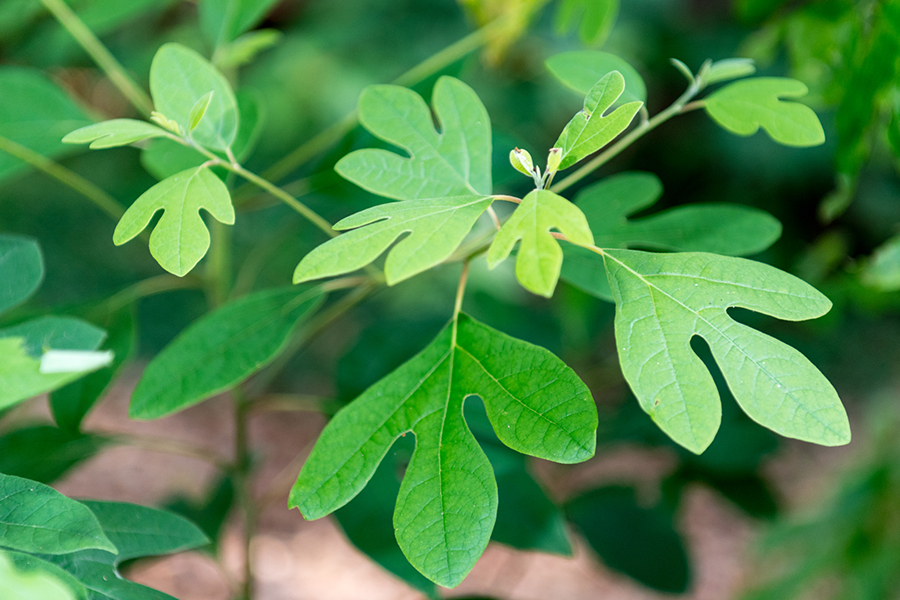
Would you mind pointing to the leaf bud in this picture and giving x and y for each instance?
(553, 160)
(521, 161)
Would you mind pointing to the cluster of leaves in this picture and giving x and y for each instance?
(848, 53)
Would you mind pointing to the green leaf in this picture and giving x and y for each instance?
(224, 20)
(210, 512)
(43, 453)
(36, 518)
(28, 563)
(728, 69)
(70, 404)
(221, 349)
(198, 111)
(745, 106)
(21, 270)
(117, 132)
(640, 542)
(882, 270)
(540, 257)
(179, 78)
(454, 162)
(180, 239)
(594, 18)
(22, 348)
(34, 585)
(34, 113)
(590, 129)
(245, 49)
(728, 229)
(137, 531)
(448, 499)
(664, 300)
(436, 228)
(581, 69)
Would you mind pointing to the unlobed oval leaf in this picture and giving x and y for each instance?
(582, 69)
(220, 350)
(454, 162)
(21, 270)
(664, 300)
(594, 19)
(540, 257)
(436, 228)
(179, 78)
(180, 239)
(728, 69)
(744, 106)
(36, 518)
(447, 502)
(117, 132)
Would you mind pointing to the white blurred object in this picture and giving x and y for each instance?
(73, 361)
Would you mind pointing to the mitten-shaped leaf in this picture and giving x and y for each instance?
(180, 239)
(729, 229)
(581, 69)
(37, 518)
(220, 350)
(436, 228)
(448, 499)
(590, 129)
(664, 300)
(540, 257)
(454, 162)
(117, 132)
(179, 77)
(745, 106)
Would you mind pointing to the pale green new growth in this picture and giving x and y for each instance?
(728, 69)
(220, 350)
(540, 257)
(728, 229)
(664, 300)
(590, 129)
(117, 132)
(448, 499)
(454, 162)
(198, 111)
(179, 79)
(36, 518)
(745, 106)
(436, 227)
(581, 69)
(180, 239)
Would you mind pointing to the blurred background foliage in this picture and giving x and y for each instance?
(299, 66)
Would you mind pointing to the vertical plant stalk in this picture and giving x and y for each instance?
(219, 266)
(243, 483)
(428, 67)
(99, 53)
(50, 167)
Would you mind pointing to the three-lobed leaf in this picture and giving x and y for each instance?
(664, 300)
(581, 69)
(221, 349)
(744, 106)
(453, 162)
(728, 229)
(113, 133)
(436, 227)
(179, 78)
(540, 257)
(591, 129)
(448, 498)
(36, 518)
(180, 239)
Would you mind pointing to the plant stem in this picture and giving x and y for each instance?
(50, 167)
(98, 52)
(219, 264)
(461, 289)
(243, 483)
(677, 107)
(148, 287)
(428, 67)
(169, 446)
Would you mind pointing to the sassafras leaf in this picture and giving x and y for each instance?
(448, 499)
